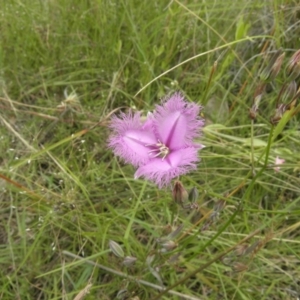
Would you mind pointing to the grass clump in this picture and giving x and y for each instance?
(65, 68)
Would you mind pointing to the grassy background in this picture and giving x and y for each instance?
(65, 66)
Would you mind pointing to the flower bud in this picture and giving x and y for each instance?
(289, 92)
(240, 250)
(293, 66)
(257, 98)
(193, 195)
(270, 72)
(239, 267)
(129, 261)
(280, 110)
(116, 249)
(276, 67)
(293, 103)
(180, 195)
(252, 112)
(168, 246)
(174, 233)
(219, 205)
(122, 294)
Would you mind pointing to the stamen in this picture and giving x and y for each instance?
(162, 150)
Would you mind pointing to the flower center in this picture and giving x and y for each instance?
(160, 150)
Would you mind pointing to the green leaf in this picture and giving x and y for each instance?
(256, 143)
(284, 120)
(241, 29)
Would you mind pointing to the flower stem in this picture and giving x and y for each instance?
(263, 168)
(132, 217)
(252, 147)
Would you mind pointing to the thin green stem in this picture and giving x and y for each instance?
(252, 147)
(267, 153)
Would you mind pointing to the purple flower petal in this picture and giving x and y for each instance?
(177, 122)
(177, 163)
(130, 137)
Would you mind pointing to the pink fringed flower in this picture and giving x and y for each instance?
(163, 146)
(278, 162)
